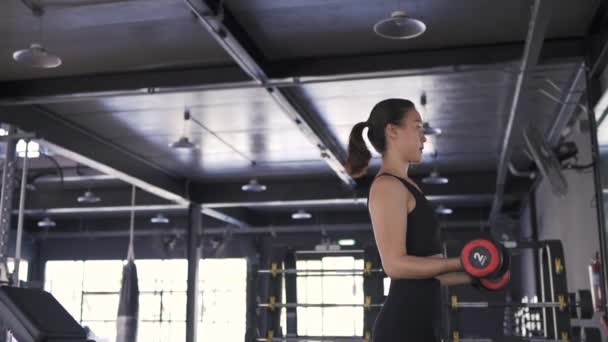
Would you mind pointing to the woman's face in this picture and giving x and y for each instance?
(408, 137)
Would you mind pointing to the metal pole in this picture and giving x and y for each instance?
(291, 293)
(6, 203)
(251, 331)
(20, 218)
(539, 21)
(194, 256)
(592, 97)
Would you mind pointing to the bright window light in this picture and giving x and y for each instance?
(346, 242)
(33, 149)
(345, 289)
(89, 290)
(387, 285)
(3, 132)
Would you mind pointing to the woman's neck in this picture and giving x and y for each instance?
(394, 166)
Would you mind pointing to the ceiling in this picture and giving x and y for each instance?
(132, 68)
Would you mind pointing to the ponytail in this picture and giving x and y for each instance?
(358, 153)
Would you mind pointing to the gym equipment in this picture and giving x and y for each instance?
(586, 305)
(128, 306)
(275, 270)
(496, 283)
(36, 316)
(555, 305)
(273, 304)
(592, 334)
(546, 161)
(562, 304)
(22, 192)
(481, 257)
(499, 279)
(314, 338)
(6, 200)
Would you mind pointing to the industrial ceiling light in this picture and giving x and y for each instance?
(435, 179)
(88, 197)
(46, 223)
(428, 130)
(442, 210)
(399, 26)
(183, 143)
(301, 215)
(159, 219)
(36, 56)
(253, 186)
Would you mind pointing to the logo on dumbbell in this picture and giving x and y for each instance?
(479, 257)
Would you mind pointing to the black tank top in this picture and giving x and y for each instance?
(422, 236)
(412, 309)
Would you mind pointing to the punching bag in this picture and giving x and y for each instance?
(128, 306)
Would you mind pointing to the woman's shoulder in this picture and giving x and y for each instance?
(387, 186)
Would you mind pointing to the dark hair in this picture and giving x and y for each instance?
(383, 113)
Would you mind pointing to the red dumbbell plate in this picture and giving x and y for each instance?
(480, 257)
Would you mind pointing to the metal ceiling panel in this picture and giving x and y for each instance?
(338, 27)
(177, 101)
(228, 166)
(349, 102)
(122, 36)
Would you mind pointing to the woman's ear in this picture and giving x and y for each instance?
(390, 131)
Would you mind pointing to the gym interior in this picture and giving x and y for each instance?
(174, 170)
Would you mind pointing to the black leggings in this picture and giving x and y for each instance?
(411, 312)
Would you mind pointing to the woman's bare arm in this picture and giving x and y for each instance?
(387, 205)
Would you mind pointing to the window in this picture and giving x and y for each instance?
(23, 268)
(90, 290)
(330, 289)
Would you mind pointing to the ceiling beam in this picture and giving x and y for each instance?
(234, 40)
(469, 200)
(88, 148)
(270, 230)
(284, 74)
(466, 188)
(537, 27)
(465, 183)
(497, 56)
(78, 88)
(598, 40)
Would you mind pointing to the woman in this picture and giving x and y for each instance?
(405, 227)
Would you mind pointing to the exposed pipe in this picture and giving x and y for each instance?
(208, 208)
(539, 21)
(568, 106)
(329, 149)
(272, 230)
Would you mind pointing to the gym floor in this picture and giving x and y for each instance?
(217, 131)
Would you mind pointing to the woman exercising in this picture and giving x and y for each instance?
(405, 227)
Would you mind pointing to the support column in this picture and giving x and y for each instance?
(596, 60)
(291, 295)
(6, 202)
(194, 251)
(251, 331)
(373, 290)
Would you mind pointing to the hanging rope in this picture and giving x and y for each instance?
(131, 253)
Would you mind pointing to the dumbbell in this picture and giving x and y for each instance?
(488, 262)
(499, 279)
